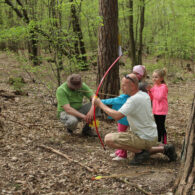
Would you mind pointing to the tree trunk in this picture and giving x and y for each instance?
(108, 47)
(55, 15)
(131, 34)
(33, 48)
(33, 45)
(79, 43)
(142, 10)
(186, 179)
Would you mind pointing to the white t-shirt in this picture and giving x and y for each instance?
(138, 110)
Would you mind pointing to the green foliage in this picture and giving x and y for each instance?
(168, 32)
(16, 33)
(152, 67)
(169, 24)
(169, 28)
(17, 186)
(17, 83)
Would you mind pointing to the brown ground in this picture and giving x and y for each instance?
(27, 122)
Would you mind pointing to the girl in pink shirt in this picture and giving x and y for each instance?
(158, 94)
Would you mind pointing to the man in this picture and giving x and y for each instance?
(70, 108)
(142, 139)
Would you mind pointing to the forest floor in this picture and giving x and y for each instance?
(28, 126)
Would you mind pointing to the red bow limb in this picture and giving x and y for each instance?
(94, 118)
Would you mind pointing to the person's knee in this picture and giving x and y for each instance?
(108, 139)
(69, 121)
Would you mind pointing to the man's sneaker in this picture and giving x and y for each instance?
(139, 158)
(169, 150)
(113, 155)
(118, 158)
(87, 131)
(69, 131)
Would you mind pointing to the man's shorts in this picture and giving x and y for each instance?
(132, 140)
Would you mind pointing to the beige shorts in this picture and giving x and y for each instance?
(132, 140)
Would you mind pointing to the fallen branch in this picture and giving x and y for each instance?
(67, 157)
(117, 177)
(135, 185)
(120, 175)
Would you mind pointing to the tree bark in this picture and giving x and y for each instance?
(108, 47)
(131, 34)
(186, 179)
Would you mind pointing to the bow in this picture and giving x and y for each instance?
(94, 118)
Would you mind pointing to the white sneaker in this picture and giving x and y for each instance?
(113, 155)
(117, 158)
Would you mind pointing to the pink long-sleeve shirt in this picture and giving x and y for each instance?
(158, 94)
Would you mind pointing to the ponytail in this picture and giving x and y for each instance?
(162, 73)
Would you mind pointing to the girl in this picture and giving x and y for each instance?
(158, 94)
(140, 72)
(123, 124)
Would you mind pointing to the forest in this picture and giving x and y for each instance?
(42, 43)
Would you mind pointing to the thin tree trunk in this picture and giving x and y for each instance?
(79, 44)
(33, 45)
(55, 14)
(89, 33)
(186, 179)
(142, 10)
(33, 48)
(108, 47)
(131, 34)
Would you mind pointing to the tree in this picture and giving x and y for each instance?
(136, 46)
(33, 44)
(141, 27)
(55, 16)
(131, 35)
(108, 46)
(184, 183)
(79, 45)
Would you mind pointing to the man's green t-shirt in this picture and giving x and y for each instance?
(65, 95)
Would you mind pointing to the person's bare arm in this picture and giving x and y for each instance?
(113, 113)
(68, 109)
(90, 114)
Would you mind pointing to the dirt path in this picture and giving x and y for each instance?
(30, 121)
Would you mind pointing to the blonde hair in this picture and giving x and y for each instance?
(161, 73)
